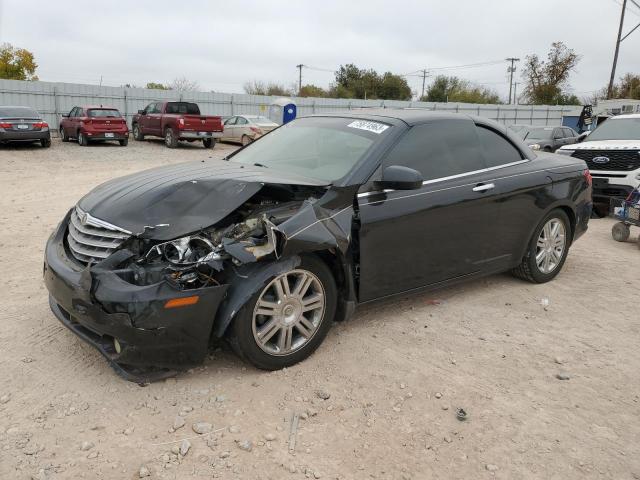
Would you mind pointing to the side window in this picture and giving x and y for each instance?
(73, 111)
(79, 112)
(242, 121)
(439, 149)
(496, 148)
(231, 121)
(157, 107)
(569, 133)
(558, 133)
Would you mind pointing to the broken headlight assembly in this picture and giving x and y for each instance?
(184, 251)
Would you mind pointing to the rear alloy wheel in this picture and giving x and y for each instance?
(209, 142)
(137, 133)
(548, 249)
(620, 232)
(170, 139)
(246, 140)
(82, 140)
(45, 142)
(286, 320)
(63, 135)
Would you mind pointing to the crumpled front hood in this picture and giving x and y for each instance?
(168, 202)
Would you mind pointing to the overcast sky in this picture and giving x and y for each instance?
(222, 45)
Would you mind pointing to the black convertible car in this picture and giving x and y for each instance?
(271, 245)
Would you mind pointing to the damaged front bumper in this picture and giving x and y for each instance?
(129, 324)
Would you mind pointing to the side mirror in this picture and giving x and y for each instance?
(397, 177)
(65, 115)
(582, 136)
(141, 112)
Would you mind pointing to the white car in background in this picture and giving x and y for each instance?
(245, 129)
(612, 153)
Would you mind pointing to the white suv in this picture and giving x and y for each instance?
(612, 153)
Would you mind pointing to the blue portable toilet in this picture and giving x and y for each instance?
(282, 110)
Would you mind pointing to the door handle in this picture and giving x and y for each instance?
(483, 187)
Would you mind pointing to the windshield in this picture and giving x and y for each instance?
(538, 134)
(617, 129)
(18, 112)
(323, 148)
(183, 107)
(103, 112)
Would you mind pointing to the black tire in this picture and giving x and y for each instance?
(45, 142)
(63, 135)
(209, 142)
(547, 149)
(620, 232)
(528, 269)
(240, 334)
(170, 139)
(245, 140)
(83, 141)
(137, 133)
(124, 142)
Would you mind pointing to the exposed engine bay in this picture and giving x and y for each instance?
(199, 260)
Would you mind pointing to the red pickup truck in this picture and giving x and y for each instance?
(175, 121)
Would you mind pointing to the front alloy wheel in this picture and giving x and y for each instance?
(288, 312)
(288, 316)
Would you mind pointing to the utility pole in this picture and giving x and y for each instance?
(515, 93)
(424, 78)
(299, 67)
(511, 71)
(615, 55)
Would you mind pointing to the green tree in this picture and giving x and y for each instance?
(312, 91)
(627, 87)
(157, 86)
(547, 81)
(454, 89)
(17, 63)
(353, 82)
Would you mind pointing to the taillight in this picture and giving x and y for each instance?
(5, 125)
(181, 123)
(587, 177)
(41, 125)
(256, 130)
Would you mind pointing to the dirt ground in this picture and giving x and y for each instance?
(395, 373)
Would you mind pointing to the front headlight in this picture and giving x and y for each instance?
(183, 251)
(564, 152)
(534, 146)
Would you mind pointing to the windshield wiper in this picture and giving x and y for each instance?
(259, 165)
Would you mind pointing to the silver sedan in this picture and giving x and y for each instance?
(245, 129)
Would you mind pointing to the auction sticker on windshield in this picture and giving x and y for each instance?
(374, 127)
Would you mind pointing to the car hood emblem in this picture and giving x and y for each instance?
(600, 160)
(83, 218)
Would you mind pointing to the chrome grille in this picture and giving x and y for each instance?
(91, 239)
(621, 160)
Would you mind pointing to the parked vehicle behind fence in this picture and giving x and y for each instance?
(23, 124)
(94, 123)
(176, 121)
(270, 247)
(245, 129)
(612, 152)
(548, 139)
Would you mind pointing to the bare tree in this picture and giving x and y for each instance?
(547, 80)
(183, 84)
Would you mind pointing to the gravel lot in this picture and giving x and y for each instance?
(394, 375)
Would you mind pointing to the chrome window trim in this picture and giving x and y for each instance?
(449, 188)
(451, 177)
(96, 222)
